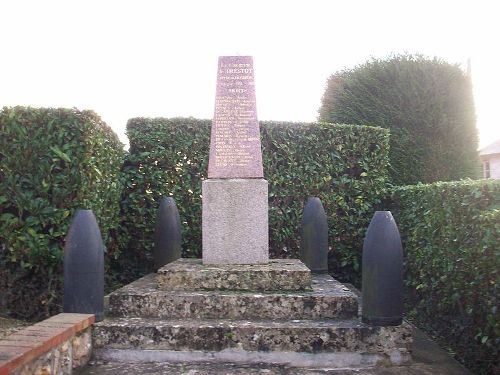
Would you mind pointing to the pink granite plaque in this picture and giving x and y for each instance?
(235, 139)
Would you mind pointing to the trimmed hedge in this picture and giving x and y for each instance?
(426, 103)
(451, 235)
(52, 161)
(345, 166)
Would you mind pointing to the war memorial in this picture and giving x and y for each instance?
(235, 304)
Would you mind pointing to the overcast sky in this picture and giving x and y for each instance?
(159, 58)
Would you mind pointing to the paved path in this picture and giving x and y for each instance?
(429, 359)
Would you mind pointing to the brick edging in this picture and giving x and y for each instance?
(26, 345)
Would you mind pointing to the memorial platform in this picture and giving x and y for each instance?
(278, 313)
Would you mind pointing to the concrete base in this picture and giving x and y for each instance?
(235, 221)
(278, 275)
(268, 335)
(427, 359)
(237, 356)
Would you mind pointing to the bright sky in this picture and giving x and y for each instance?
(159, 58)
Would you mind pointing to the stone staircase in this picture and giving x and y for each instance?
(277, 313)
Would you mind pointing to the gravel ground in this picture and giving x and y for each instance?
(8, 326)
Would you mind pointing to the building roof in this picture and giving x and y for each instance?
(493, 148)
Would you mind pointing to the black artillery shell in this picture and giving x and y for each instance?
(84, 266)
(167, 238)
(382, 285)
(314, 236)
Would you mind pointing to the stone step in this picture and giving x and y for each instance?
(391, 344)
(328, 299)
(121, 367)
(278, 274)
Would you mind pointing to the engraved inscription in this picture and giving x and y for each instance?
(235, 139)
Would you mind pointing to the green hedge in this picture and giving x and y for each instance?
(451, 234)
(52, 161)
(426, 103)
(345, 166)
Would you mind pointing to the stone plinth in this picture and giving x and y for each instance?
(277, 275)
(235, 221)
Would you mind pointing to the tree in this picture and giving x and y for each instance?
(426, 103)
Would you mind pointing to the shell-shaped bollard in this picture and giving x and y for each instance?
(314, 236)
(167, 246)
(382, 285)
(84, 266)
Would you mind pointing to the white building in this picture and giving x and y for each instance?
(490, 157)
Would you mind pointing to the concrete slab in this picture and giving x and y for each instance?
(300, 342)
(327, 299)
(279, 274)
(428, 359)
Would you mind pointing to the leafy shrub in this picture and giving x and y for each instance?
(451, 235)
(427, 105)
(345, 166)
(52, 161)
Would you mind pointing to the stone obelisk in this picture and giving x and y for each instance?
(235, 203)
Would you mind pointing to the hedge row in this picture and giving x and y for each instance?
(451, 234)
(52, 161)
(426, 103)
(345, 166)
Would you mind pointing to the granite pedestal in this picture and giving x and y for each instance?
(235, 221)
